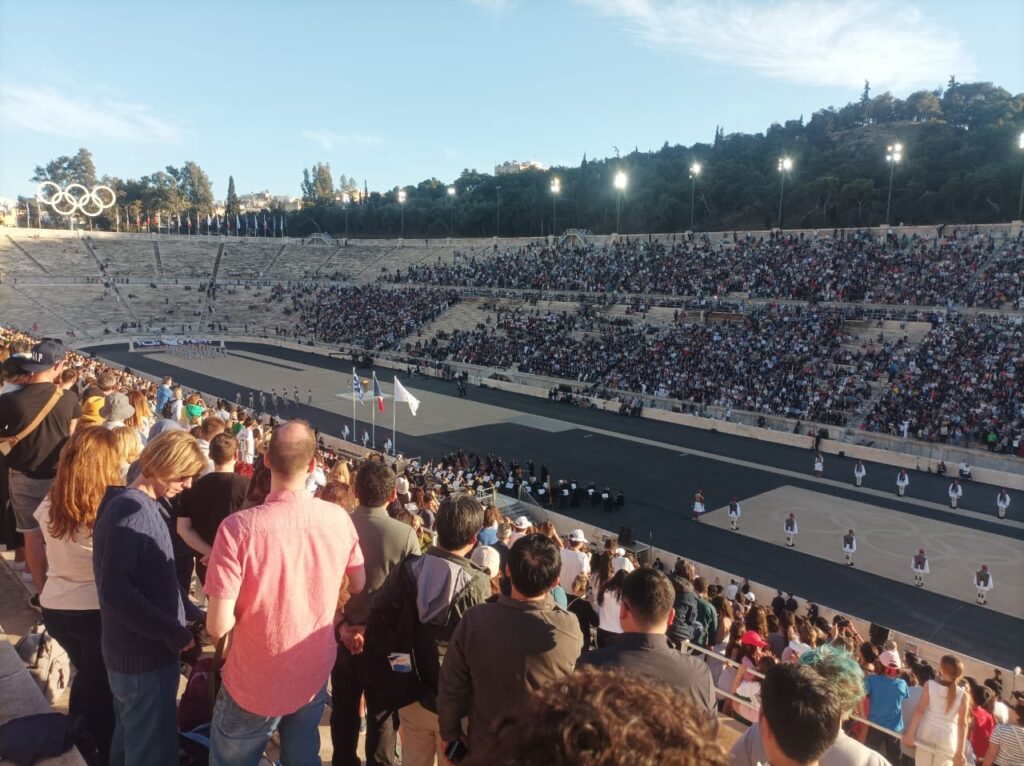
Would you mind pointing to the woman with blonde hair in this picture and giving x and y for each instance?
(142, 607)
(142, 420)
(89, 463)
(939, 724)
(129, 446)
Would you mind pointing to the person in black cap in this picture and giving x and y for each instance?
(34, 453)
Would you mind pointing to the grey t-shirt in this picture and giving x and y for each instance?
(845, 751)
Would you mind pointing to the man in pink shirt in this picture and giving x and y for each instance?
(274, 581)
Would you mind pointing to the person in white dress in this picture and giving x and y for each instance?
(849, 547)
(1002, 503)
(983, 582)
(698, 504)
(791, 530)
(938, 727)
(859, 472)
(734, 514)
(902, 482)
(919, 565)
(955, 493)
(819, 465)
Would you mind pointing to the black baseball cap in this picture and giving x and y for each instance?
(43, 356)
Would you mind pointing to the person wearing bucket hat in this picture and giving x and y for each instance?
(33, 453)
(519, 528)
(575, 560)
(115, 410)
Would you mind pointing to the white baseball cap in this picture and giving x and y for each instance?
(521, 522)
(486, 557)
(402, 485)
(620, 551)
(577, 536)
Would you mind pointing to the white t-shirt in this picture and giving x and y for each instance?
(608, 612)
(70, 583)
(574, 563)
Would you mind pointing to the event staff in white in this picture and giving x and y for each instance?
(819, 465)
(859, 472)
(791, 530)
(849, 547)
(955, 493)
(919, 565)
(984, 582)
(734, 514)
(698, 504)
(902, 482)
(1002, 503)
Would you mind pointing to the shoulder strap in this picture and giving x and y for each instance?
(47, 408)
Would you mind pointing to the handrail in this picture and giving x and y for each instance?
(688, 646)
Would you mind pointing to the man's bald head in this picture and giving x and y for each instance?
(292, 447)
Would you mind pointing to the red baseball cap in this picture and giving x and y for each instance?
(753, 638)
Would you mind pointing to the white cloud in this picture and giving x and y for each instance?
(81, 115)
(330, 139)
(809, 42)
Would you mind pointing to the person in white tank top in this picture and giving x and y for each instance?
(939, 727)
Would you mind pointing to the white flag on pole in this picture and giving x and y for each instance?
(402, 395)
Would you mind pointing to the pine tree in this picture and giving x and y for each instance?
(231, 207)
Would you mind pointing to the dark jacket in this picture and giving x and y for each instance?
(648, 654)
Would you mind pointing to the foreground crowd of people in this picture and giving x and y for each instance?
(429, 621)
(966, 269)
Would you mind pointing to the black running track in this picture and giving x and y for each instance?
(659, 485)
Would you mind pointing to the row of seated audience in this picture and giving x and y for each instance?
(551, 652)
(972, 270)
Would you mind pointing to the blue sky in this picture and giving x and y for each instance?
(397, 91)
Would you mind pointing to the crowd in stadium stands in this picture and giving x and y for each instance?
(154, 524)
(973, 270)
(963, 386)
(369, 316)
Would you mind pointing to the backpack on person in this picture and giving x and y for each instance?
(48, 663)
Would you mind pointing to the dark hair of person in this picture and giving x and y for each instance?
(603, 718)
(534, 564)
(223, 448)
(649, 595)
(614, 585)
(757, 620)
(337, 492)
(259, 483)
(458, 520)
(802, 710)
(374, 484)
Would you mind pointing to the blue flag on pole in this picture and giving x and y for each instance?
(357, 386)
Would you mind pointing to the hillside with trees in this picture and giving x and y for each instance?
(961, 163)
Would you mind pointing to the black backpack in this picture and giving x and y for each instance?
(395, 645)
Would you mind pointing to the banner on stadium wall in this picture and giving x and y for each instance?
(172, 341)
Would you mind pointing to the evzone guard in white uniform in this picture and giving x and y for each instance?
(919, 565)
(819, 465)
(902, 482)
(734, 514)
(791, 530)
(849, 547)
(859, 472)
(1002, 503)
(984, 582)
(955, 493)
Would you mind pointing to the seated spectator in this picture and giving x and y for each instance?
(645, 614)
(603, 717)
(503, 650)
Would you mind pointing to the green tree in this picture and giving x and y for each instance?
(65, 170)
(231, 207)
(318, 185)
(195, 187)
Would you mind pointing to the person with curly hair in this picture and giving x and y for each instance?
(603, 718)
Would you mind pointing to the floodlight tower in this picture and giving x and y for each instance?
(620, 182)
(893, 155)
(785, 165)
(401, 202)
(695, 169)
(451, 210)
(556, 189)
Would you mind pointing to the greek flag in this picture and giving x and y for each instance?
(357, 386)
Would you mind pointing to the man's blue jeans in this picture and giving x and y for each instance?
(146, 731)
(239, 737)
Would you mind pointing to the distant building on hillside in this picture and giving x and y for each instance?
(515, 166)
(264, 200)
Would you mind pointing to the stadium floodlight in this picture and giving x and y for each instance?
(695, 169)
(401, 202)
(893, 155)
(451, 210)
(556, 189)
(619, 182)
(1020, 205)
(785, 165)
(345, 199)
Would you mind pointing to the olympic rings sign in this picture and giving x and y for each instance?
(76, 198)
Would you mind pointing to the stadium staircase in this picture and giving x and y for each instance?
(113, 285)
(159, 263)
(28, 255)
(216, 264)
(323, 264)
(273, 263)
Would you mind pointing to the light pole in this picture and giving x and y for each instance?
(497, 211)
(620, 184)
(893, 154)
(785, 165)
(695, 169)
(451, 210)
(1020, 205)
(556, 189)
(401, 202)
(345, 199)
